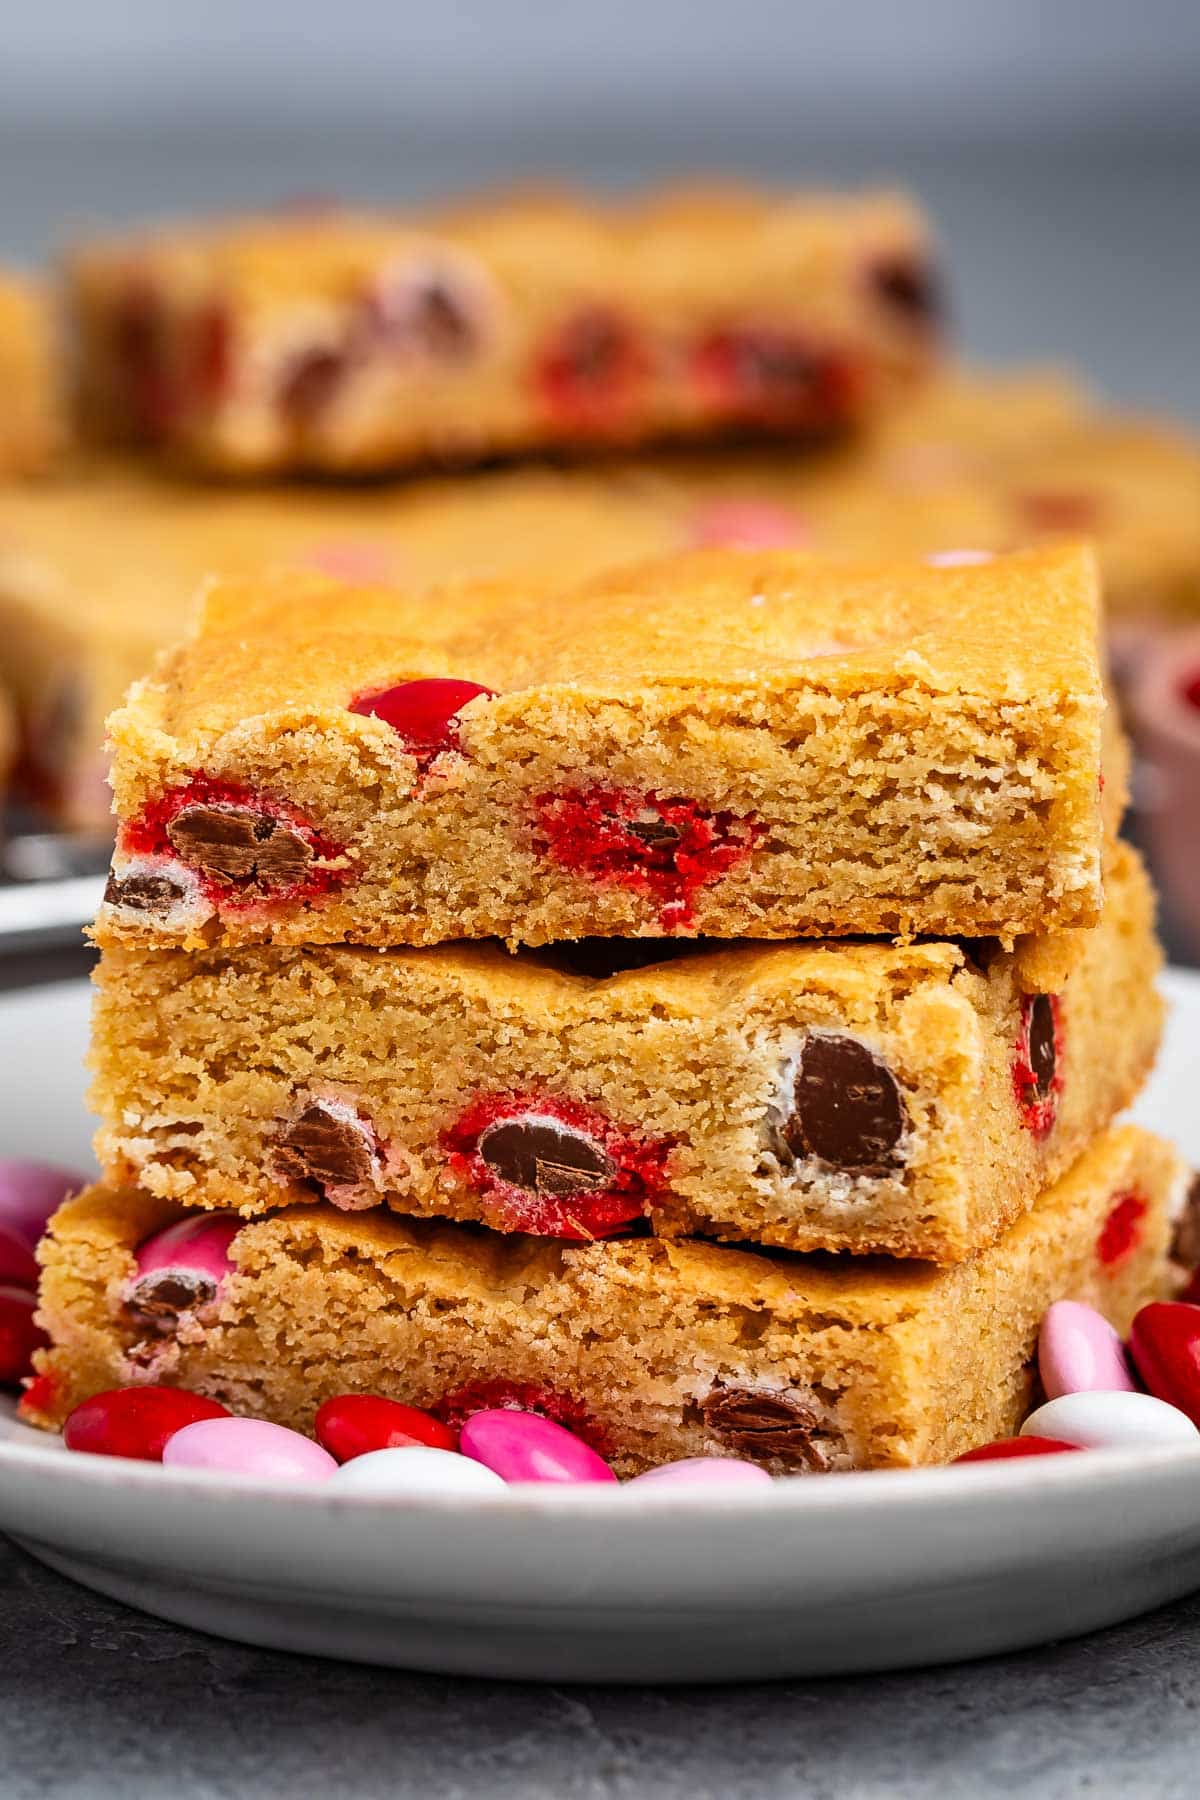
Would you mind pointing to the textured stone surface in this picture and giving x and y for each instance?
(98, 1700)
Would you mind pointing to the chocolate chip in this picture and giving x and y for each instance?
(655, 833)
(1185, 1242)
(425, 313)
(137, 323)
(144, 893)
(846, 1107)
(910, 286)
(1062, 511)
(1043, 1052)
(309, 383)
(545, 1157)
(236, 844)
(765, 1425)
(155, 1301)
(327, 1146)
(594, 344)
(772, 363)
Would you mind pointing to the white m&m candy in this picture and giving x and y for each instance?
(414, 1469)
(1108, 1421)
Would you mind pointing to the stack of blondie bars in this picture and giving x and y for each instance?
(663, 1168)
(691, 1000)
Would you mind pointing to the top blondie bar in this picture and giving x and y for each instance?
(720, 743)
(339, 341)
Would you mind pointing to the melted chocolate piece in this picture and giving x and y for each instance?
(310, 382)
(325, 1147)
(144, 893)
(545, 1157)
(655, 833)
(765, 1426)
(593, 345)
(911, 287)
(157, 1300)
(427, 314)
(236, 844)
(846, 1107)
(769, 363)
(1043, 1053)
(1062, 511)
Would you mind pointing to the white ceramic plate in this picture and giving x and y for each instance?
(847, 1572)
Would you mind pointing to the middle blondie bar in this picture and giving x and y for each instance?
(723, 743)
(843, 1096)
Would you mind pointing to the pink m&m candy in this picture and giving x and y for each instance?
(182, 1269)
(30, 1191)
(958, 559)
(704, 1472)
(1079, 1352)
(248, 1447)
(352, 559)
(524, 1446)
(747, 525)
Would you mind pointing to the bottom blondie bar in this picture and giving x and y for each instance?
(651, 1349)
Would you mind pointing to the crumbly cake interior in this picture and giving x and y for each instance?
(654, 1348)
(725, 743)
(848, 1096)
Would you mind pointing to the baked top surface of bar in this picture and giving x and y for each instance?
(273, 255)
(908, 1098)
(664, 1348)
(1018, 628)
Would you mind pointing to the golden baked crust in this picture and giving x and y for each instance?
(844, 1096)
(344, 340)
(725, 744)
(661, 1348)
(31, 421)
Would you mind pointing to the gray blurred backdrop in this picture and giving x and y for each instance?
(1056, 141)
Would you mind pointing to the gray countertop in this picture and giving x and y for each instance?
(96, 1700)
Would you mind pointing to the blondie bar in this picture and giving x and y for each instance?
(31, 414)
(723, 743)
(346, 341)
(653, 1348)
(99, 569)
(986, 464)
(849, 1096)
